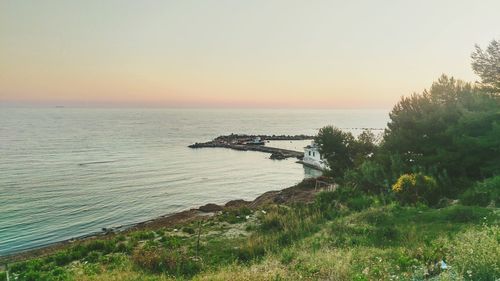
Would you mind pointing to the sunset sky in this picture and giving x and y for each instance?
(272, 54)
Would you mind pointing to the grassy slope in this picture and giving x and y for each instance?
(311, 242)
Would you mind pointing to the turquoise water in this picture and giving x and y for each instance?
(68, 172)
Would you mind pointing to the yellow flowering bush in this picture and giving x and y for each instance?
(404, 182)
(414, 187)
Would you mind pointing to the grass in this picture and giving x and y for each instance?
(335, 238)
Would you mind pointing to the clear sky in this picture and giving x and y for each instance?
(299, 54)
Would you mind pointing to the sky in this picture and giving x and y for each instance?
(258, 54)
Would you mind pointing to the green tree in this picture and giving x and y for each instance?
(364, 147)
(335, 147)
(344, 152)
(417, 128)
(486, 64)
(451, 128)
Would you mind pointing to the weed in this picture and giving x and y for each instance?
(188, 230)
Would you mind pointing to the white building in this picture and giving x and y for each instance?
(313, 158)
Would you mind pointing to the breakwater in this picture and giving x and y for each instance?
(244, 143)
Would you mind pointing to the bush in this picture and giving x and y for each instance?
(93, 257)
(271, 223)
(38, 270)
(476, 253)
(325, 199)
(378, 217)
(287, 256)
(143, 235)
(413, 188)
(78, 252)
(188, 230)
(360, 202)
(104, 246)
(235, 215)
(369, 177)
(463, 214)
(483, 193)
(122, 247)
(159, 260)
(62, 258)
(171, 242)
(384, 234)
(253, 249)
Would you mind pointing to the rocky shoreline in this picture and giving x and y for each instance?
(302, 192)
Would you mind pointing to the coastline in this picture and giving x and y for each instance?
(303, 192)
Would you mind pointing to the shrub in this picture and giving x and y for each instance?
(483, 193)
(476, 253)
(353, 198)
(122, 247)
(404, 260)
(38, 270)
(160, 260)
(325, 200)
(148, 259)
(378, 217)
(344, 193)
(143, 235)
(271, 223)
(369, 177)
(251, 250)
(171, 242)
(235, 215)
(413, 188)
(287, 256)
(104, 246)
(359, 203)
(384, 234)
(120, 238)
(79, 251)
(115, 261)
(463, 214)
(62, 258)
(93, 257)
(188, 230)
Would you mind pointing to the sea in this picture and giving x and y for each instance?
(68, 172)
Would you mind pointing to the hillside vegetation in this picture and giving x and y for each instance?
(342, 235)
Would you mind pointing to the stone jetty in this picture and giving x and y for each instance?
(243, 142)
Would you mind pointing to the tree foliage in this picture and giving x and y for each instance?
(336, 146)
(343, 151)
(452, 127)
(486, 64)
(449, 133)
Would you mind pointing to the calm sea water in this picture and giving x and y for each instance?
(67, 172)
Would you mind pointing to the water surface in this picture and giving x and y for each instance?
(66, 172)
